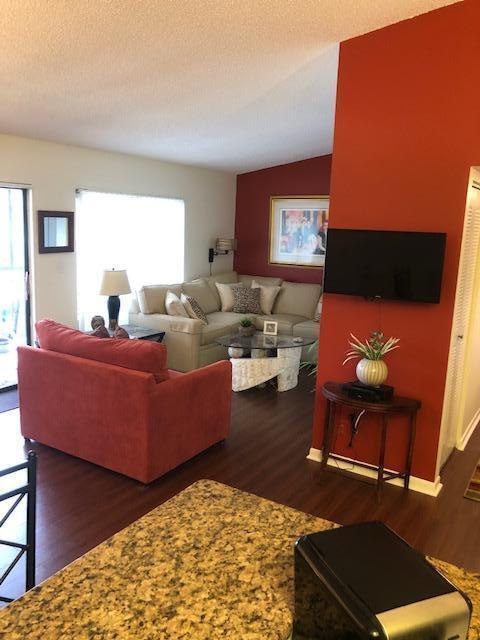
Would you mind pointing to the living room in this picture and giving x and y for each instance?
(405, 110)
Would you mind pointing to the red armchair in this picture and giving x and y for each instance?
(116, 416)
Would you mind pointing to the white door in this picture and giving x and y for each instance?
(452, 428)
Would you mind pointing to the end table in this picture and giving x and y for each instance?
(336, 397)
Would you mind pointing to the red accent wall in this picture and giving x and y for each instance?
(254, 189)
(407, 131)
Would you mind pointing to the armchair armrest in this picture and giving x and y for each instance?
(191, 412)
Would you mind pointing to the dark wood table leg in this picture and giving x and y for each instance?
(408, 469)
(381, 461)
(328, 432)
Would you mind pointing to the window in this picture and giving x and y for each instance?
(144, 235)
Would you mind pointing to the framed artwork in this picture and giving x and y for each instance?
(55, 231)
(270, 328)
(298, 230)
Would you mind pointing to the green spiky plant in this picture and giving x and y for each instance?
(311, 367)
(374, 348)
(246, 322)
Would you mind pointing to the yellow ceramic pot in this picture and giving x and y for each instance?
(372, 372)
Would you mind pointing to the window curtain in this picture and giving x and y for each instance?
(142, 234)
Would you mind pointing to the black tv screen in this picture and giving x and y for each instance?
(397, 265)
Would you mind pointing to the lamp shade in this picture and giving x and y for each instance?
(225, 244)
(114, 283)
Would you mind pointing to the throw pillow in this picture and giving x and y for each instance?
(174, 306)
(246, 300)
(225, 291)
(100, 332)
(267, 296)
(120, 333)
(318, 311)
(193, 309)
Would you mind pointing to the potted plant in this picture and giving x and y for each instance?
(246, 328)
(311, 367)
(371, 369)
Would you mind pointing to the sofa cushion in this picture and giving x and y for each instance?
(220, 323)
(139, 355)
(299, 298)
(193, 309)
(268, 295)
(230, 277)
(265, 280)
(226, 295)
(175, 306)
(202, 293)
(151, 298)
(307, 329)
(286, 322)
(246, 300)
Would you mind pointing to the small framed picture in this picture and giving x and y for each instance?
(270, 328)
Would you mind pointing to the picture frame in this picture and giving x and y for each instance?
(270, 328)
(55, 231)
(298, 230)
(269, 342)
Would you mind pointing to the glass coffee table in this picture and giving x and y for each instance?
(260, 357)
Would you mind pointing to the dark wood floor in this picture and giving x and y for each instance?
(80, 504)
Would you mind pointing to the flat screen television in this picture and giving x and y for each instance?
(396, 265)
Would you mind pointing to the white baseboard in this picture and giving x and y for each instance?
(470, 429)
(416, 484)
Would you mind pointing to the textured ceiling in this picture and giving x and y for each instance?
(231, 84)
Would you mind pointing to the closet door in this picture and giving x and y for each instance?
(453, 408)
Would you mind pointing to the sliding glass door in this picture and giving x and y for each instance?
(14, 281)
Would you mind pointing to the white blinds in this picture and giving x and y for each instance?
(144, 235)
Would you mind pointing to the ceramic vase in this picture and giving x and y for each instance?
(372, 372)
(235, 351)
(246, 331)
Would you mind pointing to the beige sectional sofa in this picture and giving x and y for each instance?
(191, 343)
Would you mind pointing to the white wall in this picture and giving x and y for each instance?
(55, 171)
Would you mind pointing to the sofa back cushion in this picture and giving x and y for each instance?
(230, 277)
(139, 355)
(203, 294)
(299, 298)
(263, 280)
(151, 298)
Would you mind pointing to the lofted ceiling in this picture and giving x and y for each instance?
(230, 84)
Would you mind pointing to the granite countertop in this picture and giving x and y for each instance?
(212, 562)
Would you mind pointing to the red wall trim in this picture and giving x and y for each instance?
(254, 189)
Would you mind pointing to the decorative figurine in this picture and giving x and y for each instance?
(120, 333)
(97, 321)
(101, 332)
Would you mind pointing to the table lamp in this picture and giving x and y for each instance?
(114, 284)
